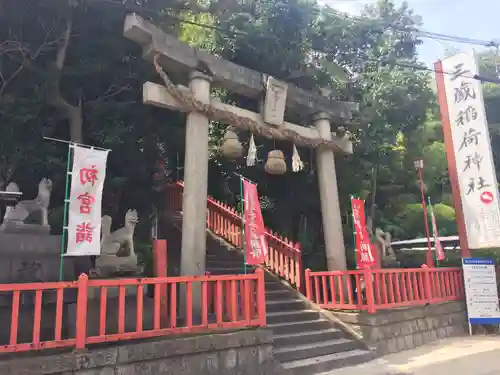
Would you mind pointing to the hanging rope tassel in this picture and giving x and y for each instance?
(252, 153)
(297, 164)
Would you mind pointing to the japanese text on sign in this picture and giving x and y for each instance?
(255, 234)
(472, 150)
(84, 224)
(364, 247)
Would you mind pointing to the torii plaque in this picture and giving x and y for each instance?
(202, 70)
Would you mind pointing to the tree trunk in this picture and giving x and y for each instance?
(71, 112)
(75, 119)
(372, 203)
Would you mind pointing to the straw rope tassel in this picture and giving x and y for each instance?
(252, 153)
(297, 164)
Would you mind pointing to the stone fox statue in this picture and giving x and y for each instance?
(38, 205)
(120, 242)
(117, 248)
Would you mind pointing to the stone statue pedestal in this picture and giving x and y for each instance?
(18, 227)
(29, 257)
(115, 266)
(390, 261)
(26, 258)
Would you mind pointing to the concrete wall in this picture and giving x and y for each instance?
(390, 331)
(244, 352)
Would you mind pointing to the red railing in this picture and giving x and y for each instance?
(284, 257)
(383, 288)
(116, 310)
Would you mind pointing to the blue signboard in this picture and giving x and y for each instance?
(481, 291)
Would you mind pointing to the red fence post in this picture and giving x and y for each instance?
(81, 312)
(160, 270)
(427, 284)
(370, 296)
(298, 268)
(307, 276)
(261, 297)
(160, 258)
(210, 295)
(178, 197)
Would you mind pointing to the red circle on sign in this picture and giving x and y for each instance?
(486, 197)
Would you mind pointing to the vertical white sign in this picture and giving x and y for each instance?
(85, 201)
(481, 291)
(472, 150)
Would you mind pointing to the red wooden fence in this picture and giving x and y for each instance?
(224, 302)
(284, 258)
(383, 288)
(355, 290)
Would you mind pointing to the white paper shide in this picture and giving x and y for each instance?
(472, 148)
(85, 201)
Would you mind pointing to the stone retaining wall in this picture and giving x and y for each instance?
(246, 352)
(390, 331)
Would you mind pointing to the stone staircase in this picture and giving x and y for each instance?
(305, 341)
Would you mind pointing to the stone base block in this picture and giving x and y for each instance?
(390, 331)
(246, 352)
(18, 227)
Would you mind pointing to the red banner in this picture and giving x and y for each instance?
(364, 248)
(255, 233)
(437, 243)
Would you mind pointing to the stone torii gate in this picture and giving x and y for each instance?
(202, 71)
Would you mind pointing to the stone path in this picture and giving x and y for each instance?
(478, 355)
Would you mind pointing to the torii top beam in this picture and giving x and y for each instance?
(178, 56)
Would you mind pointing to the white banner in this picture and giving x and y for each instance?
(85, 201)
(472, 148)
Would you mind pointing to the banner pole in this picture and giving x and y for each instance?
(431, 211)
(65, 216)
(243, 225)
(354, 235)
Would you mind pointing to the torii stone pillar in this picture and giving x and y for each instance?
(329, 196)
(194, 199)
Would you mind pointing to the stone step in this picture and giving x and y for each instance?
(285, 305)
(279, 294)
(224, 255)
(306, 337)
(327, 362)
(275, 285)
(299, 326)
(237, 271)
(229, 270)
(315, 349)
(224, 262)
(292, 316)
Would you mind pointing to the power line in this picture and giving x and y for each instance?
(423, 33)
(420, 32)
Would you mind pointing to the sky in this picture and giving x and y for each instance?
(477, 19)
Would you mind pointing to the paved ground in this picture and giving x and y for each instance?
(478, 355)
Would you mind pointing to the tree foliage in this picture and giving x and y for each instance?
(93, 95)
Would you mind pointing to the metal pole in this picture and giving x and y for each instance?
(65, 216)
(244, 178)
(75, 144)
(429, 261)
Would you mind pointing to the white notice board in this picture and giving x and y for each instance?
(481, 291)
